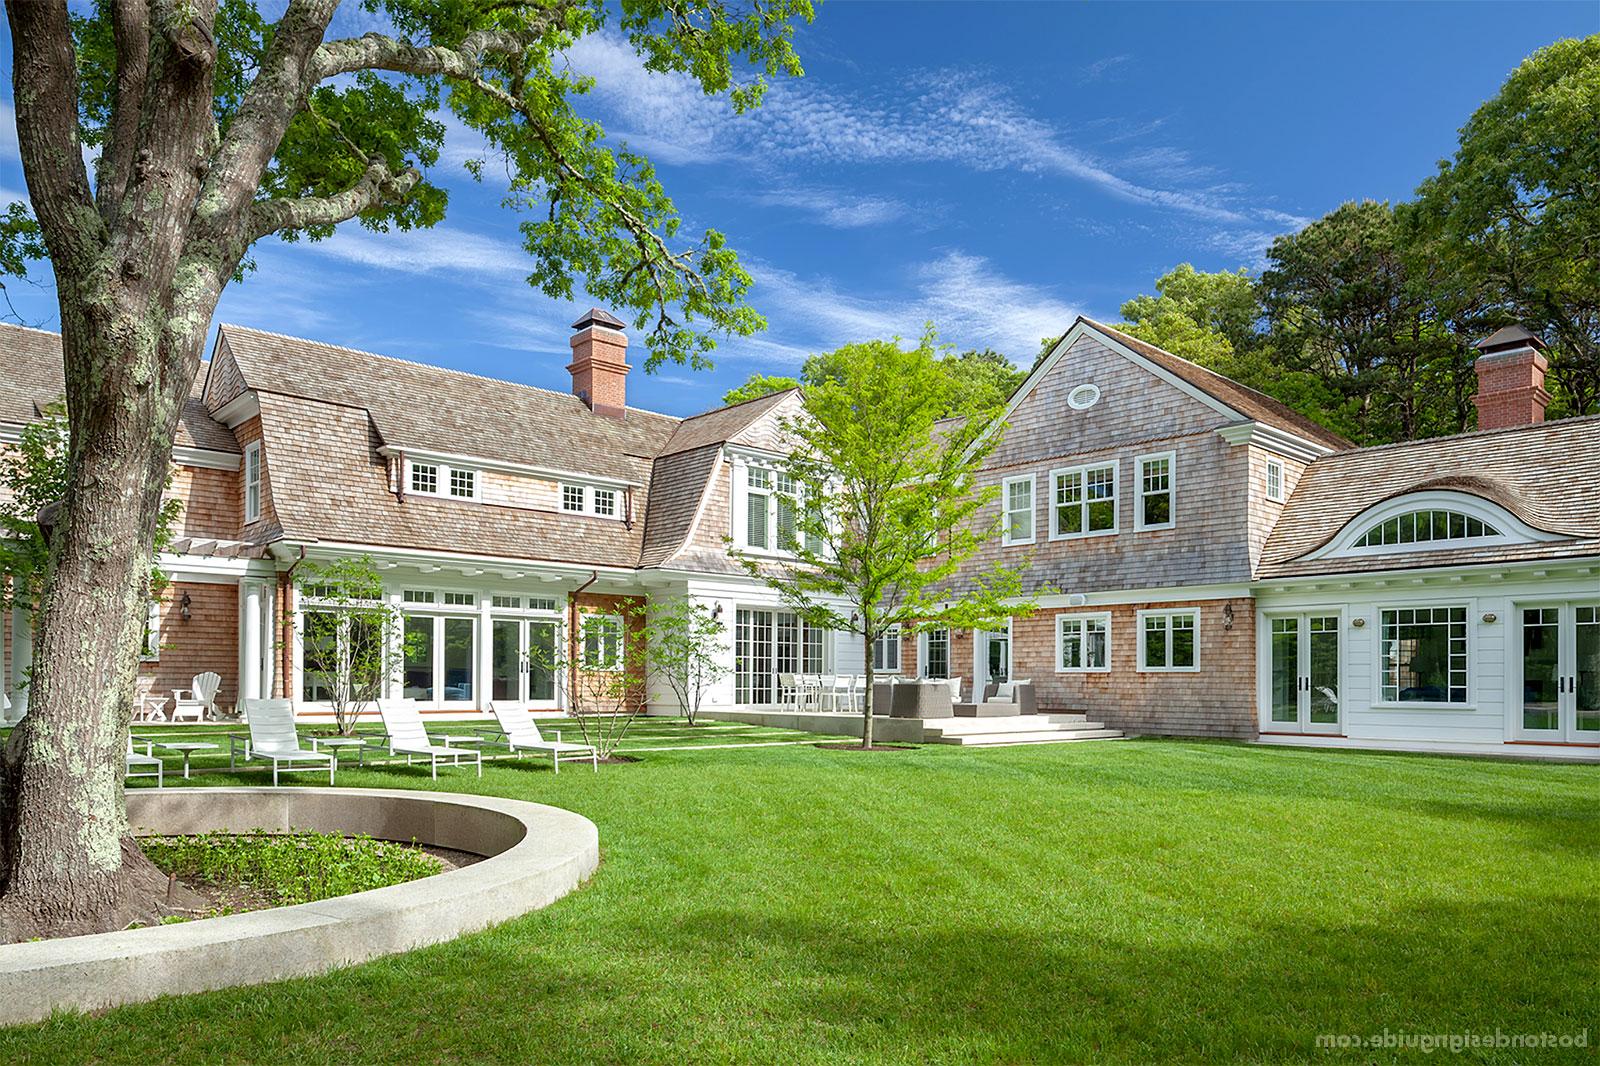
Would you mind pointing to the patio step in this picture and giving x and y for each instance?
(1064, 736)
(1021, 729)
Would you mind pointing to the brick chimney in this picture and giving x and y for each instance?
(599, 364)
(1511, 366)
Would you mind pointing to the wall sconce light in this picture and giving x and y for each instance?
(1227, 616)
(183, 606)
(1358, 622)
(1490, 617)
(716, 612)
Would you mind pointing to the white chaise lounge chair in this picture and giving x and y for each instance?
(273, 736)
(407, 737)
(147, 760)
(520, 732)
(201, 698)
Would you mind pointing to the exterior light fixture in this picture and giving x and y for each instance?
(1358, 622)
(1227, 616)
(183, 606)
(1490, 617)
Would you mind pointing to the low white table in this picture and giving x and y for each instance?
(336, 743)
(188, 748)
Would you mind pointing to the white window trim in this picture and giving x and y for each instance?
(587, 620)
(1116, 499)
(252, 453)
(1280, 494)
(923, 636)
(1005, 509)
(739, 510)
(1512, 529)
(892, 637)
(1470, 703)
(1164, 612)
(1139, 524)
(617, 506)
(441, 484)
(1086, 616)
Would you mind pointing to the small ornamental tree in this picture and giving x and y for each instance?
(688, 650)
(351, 635)
(886, 505)
(602, 669)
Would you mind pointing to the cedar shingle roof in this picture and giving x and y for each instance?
(677, 485)
(421, 406)
(1254, 405)
(1548, 475)
(722, 424)
(33, 378)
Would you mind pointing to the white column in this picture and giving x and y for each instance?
(21, 660)
(250, 643)
(482, 688)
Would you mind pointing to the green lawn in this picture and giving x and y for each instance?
(1131, 902)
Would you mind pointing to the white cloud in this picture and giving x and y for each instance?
(835, 207)
(442, 250)
(1100, 68)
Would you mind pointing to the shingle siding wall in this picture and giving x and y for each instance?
(1217, 701)
(224, 382)
(635, 658)
(212, 502)
(208, 640)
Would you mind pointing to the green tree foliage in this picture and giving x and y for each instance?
(757, 386)
(1350, 302)
(687, 649)
(1517, 210)
(888, 505)
(33, 478)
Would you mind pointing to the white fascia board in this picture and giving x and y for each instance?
(10, 432)
(1273, 439)
(1232, 591)
(325, 549)
(205, 457)
(427, 455)
(1583, 566)
(238, 410)
(215, 568)
(744, 451)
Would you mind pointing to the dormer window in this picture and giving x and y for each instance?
(769, 508)
(441, 479)
(1430, 520)
(591, 500)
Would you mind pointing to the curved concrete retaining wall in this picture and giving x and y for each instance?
(537, 855)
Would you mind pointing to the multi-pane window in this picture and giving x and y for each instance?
(460, 599)
(511, 602)
(1018, 499)
(425, 478)
(463, 483)
(605, 502)
(1423, 654)
(417, 596)
(1425, 526)
(252, 482)
(886, 651)
(572, 498)
(786, 500)
(602, 641)
(1083, 642)
(936, 653)
(1155, 492)
(1274, 481)
(1085, 501)
(1167, 640)
(767, 644)
(758, 497)
(591, 500)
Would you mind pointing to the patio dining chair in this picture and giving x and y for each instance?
(788, 691)
(808, 692)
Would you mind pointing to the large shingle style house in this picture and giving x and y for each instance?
(1206, 560)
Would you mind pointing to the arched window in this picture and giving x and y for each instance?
(1426, 526)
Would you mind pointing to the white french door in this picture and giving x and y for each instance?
(1302, 694)
(1560, 656)
(522, 662)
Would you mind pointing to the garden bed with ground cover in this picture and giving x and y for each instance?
(223, 873)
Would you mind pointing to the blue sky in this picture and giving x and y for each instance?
(993, 168)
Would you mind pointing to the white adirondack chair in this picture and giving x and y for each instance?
(273, 736)
(201, 698)
(408, 737)
(147, 760)
(521, 733)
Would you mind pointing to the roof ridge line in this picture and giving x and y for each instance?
(1573, 420)
(426, 366)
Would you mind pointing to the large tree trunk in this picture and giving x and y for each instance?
(67, 863)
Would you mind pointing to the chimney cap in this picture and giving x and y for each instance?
(596, 317)
(1507, 338)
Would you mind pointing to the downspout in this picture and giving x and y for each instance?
(400, 477)
(572, 636)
